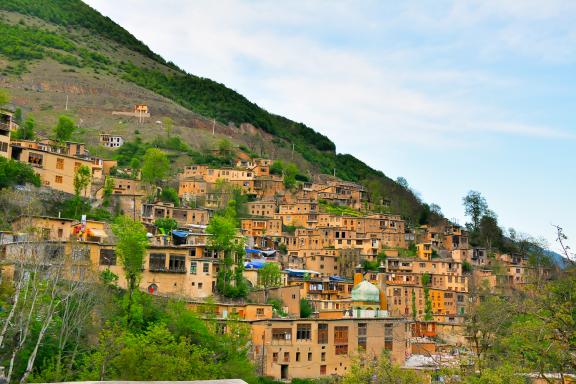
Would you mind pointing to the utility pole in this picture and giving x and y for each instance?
(66, 102)
(213, 125)
(334, 172)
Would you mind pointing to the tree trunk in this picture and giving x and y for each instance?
(11, 314)
(32, 357)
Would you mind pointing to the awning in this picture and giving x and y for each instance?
(179, 233)
(96, 232)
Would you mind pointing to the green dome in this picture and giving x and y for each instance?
(366, 292)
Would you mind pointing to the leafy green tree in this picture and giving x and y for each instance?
(18, 116)
(135, 163)
(269, 276)
(168, 125)
(414, 311)
(82, 178)
(155, 166)
(223, 239)
(107, 191)
(13, 172)
(166, 225)
(170, 195)
(26, 130)
(4, 97)
(64, 129)
(489, 233)
(306, 309)
(475, 207)
(277, 167)
(367, 369)
(131, 247)
(290, 172)
(426, 280)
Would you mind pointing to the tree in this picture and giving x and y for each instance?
(369, 369)
(107, 191)
(131, 246)
(168, 125)
(269, 276)
(489, 233)
(13, 172)
(166, 225)
(170, 195)
(435, 209)
(475, 207)
(64, 129)
(155, 166)
(277, 167)
(403, 182)
(306, 309)
(426, 280)
(414, 311)
(223, 239)
(82, 178)
(290, 172)
(18, 116)
(26, 130)
(4, 97)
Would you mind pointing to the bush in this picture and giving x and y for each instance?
(13, 172)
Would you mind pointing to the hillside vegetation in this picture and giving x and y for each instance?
(76, 36)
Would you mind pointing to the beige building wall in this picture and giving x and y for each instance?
(311, 348)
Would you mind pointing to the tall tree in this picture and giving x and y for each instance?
(64, 129)
(82, 178)
(222, 230)
(269, 276)
(155, 166)
(168, 125)
(475, 207)
(426, 280)
(26, 130)
(131, 248)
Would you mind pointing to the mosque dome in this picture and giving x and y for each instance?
(366, 292)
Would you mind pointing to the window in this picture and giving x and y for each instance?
(275, 357)
(322, 333)
(4, 147)
(200, 285)
(157, 262)
(341, 349)
(286, 357)
(388, 336)
(297, 356)
(177, 264)
(281, 334)
(107, 257)
(206, 267)
(193, 267)
(303, 332)
(323, 356)
(323, 370)
(340, 335)
(58, 179)
(362, 332)
(60, 232)
(260, 311)
(59, 163)
(35, 158)
(309, 356)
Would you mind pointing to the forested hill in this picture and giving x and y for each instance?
(81, 40)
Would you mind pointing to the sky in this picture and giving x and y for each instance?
(451, 95)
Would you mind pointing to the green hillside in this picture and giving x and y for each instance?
(81, 40)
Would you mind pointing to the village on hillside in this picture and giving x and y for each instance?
(315, 267)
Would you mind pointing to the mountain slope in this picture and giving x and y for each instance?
(48, 39)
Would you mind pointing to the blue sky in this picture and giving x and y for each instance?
(451, 95)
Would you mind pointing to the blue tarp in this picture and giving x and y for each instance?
(179, 233)
(248, 250)
(337, 278)
(255, 264)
